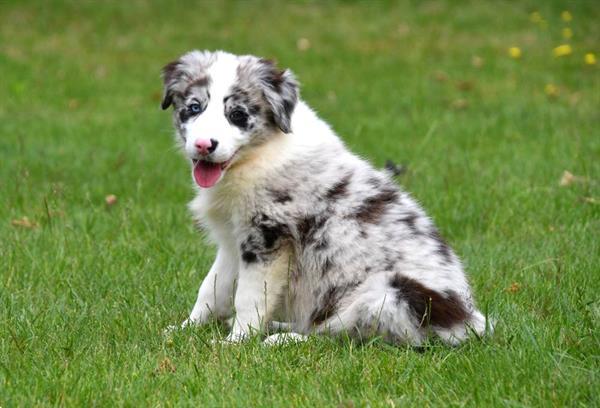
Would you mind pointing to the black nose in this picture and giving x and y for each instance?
(213, 145)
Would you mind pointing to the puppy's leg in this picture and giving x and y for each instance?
(215, 296)
(260, 287)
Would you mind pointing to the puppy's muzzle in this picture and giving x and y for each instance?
(204, 147)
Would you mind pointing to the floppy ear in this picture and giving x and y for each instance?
(170, 75)
(280, 89)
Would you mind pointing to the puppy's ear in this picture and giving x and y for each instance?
(280, 89)
(170, 75)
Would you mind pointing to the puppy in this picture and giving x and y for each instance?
(307, 232)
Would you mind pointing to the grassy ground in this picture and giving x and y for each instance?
(86, 288)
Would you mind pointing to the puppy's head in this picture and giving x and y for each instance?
(224, 104)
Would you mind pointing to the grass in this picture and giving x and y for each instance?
(86, 289)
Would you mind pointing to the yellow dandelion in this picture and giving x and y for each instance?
(514, 52)
(562, 50)
(567, 33)
(566, 16)
(590, 58)
(551, 90)
(535, 17)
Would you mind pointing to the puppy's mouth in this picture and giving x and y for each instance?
(207, 174)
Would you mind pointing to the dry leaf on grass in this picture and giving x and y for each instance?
(24, 222)
(303, 44)
(514, 287)
(460, 104)
(165, 366)
(465, 85)
(111, 200)
(569, 178)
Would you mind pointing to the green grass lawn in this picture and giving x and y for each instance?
(86, 288)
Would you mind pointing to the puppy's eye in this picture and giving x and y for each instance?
(194, 108)
(238, 117)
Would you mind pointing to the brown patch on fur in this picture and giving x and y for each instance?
(373, 208)
(430, 307)
(410, 221)
(308, 227)
(339, 189)
(280, 197)
(328, 304)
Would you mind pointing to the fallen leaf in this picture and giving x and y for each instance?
(165, 366)
(460, 104)
(111, 200)
(464, 85)
(569, 178)
(24, 222)
(303, 44)
(514, 287)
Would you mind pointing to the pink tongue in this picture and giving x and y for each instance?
(207, 174)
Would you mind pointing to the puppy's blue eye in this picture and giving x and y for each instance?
(195, 108)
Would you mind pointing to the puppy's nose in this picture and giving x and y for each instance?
(206, 146)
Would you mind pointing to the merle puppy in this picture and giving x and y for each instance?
(307, 232)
